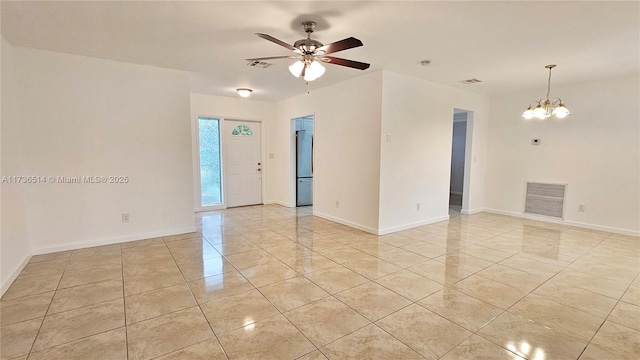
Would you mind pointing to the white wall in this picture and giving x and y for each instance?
(231, 108)
(281, 148)
(595, 151)
(14, 245)
(457, 156)
(415, 165)
(80, 116)
(379, 184)
(346, 150)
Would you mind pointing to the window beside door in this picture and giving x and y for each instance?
(210, 169)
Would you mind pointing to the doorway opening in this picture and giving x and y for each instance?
(304, 160)
(460, 144)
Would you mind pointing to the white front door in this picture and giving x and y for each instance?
(243, 163)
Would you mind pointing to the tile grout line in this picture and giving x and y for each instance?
(259, 215)
(124, 306)
(68, 342)
(197, 303)
(48, 307)
(531, 292)
(607, 317)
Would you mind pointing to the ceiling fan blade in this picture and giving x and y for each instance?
(275, 57)
(343, 44)
(344, 62)
(279, 42)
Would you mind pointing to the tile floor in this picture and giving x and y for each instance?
(268, 282)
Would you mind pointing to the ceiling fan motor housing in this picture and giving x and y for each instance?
(307, 46)
(309, 26)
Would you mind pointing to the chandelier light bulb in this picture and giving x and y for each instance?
(528, 114)
(561, 111)
(539, 113)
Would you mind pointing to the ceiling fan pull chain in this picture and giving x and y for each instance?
(308, 92)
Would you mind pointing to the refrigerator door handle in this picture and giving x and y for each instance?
(312, 155)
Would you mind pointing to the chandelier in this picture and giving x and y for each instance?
(546, 108)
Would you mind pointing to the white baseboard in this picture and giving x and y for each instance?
(346, 222)
(85, 244)
(566, 222)
(278, 202)
(14, 275)
(412, 225)
(472, 211)
(114, 240)
(381, 231)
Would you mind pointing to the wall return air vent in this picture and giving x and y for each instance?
(545, 199)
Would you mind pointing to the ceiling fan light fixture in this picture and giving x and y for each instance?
(244, 92)
(313, 71)
(296, 68)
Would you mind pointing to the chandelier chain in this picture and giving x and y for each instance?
(549, 84)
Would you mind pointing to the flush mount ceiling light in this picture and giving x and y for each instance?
(546, 108)
(244, 92)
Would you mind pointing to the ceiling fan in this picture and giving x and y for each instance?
(310, 53)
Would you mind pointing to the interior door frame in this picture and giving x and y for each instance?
(292, 164)
(196, 160)
(263, 169)
(468, 159)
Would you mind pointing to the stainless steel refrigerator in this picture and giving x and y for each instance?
(304, 168)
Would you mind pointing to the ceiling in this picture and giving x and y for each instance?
(506, 44)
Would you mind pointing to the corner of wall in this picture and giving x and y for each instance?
(15, 250)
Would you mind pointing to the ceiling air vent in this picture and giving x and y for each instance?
(258, 63)
(470, 81)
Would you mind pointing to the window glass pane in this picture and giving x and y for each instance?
(242, 130)
(210, 185)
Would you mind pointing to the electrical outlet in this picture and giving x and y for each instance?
(337, 204)
(581, 208)
(418, 207)
(125, 218)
